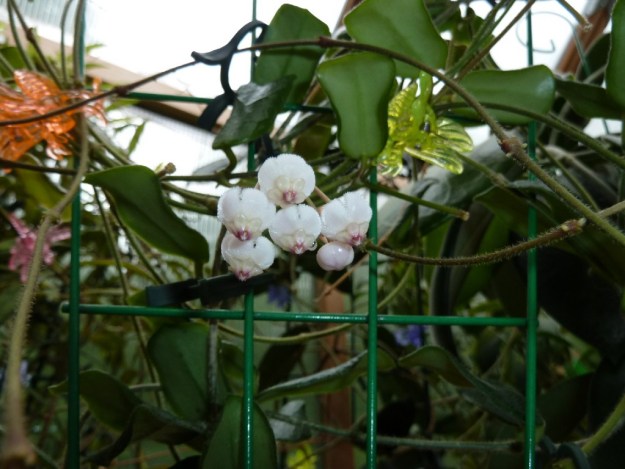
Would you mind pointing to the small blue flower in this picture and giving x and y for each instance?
(279, 295)
(410, 335)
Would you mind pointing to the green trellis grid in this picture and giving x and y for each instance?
(249, 315)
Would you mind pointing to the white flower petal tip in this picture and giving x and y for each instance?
(346, 219)
(247, 258)
(296, 228)
(335, 256)
(245, 212)
(286, 179)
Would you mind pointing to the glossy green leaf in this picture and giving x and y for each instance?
(14, 58)
(179, 353)
(225, 450)
(44, 193)
(588, 100)
(564, 406)
(359, 87)
(254, 112)
(291, 23)
(615, 73)
(500, 400)
(149, 422)
(329, 380)
(402, 26)
(232, 364)
(109, 400)
(140, 203)
(531, 88)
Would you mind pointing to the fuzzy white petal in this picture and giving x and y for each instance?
(346, 219)
(335, 256)
(247, 258)
(286, 179)
(296, 228)
(245, 212)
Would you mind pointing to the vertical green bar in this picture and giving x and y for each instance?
(73, 378)
(247, 413)
(372, 372)
(532, 296)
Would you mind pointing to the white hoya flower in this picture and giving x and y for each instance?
(335, 255)
(296, 228)
(286, 179)
(247, 258)
(346, 219)
(245, 213)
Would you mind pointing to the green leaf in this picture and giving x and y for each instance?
(328, 380)
(564, 406)
(502, 401)
(588, 100)
(614, 73)
(232, 364)
(14, 58)
(254, 112)
(291, 23)
(45, 194)
(179, 353)
(149, 422)
(359, 87)
(139, 200)
(225, 450)
(109, 400)
(531, 89)
(402, 26)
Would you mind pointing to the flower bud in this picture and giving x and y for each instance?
(346, 219)
(296, 228)
(245, 213)
(247, 258)
(286, 179)
(335, 256)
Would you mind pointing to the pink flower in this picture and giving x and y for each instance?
(346, 219)
(22, 250)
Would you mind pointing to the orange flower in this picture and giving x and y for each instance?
(40, 95)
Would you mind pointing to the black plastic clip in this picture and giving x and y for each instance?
(223, 57)
(208, 290)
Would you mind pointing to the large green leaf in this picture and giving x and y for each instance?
(254, 112)
(531, 88)
(615, 73)
(359, 87)
(588, 100)
(140, 203)
(148, 422)
(291, 23)
(500, 400)
(225, 450)
(328, 380)
(40, 188)
(180, 354)
(110, 401)
(402, 26)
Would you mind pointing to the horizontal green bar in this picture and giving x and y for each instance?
(300, 317)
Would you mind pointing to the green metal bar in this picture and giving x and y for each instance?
(167, 97)
(372, 321)
(247, 414)
(314, 317)
(532, 296)
(73, 365)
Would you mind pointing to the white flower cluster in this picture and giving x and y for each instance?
(287, 180)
